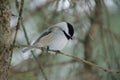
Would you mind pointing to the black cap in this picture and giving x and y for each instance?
(70, 29)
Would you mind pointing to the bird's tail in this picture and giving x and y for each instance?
(26, 49)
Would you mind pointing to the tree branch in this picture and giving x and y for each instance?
(73, 57)
(27, 39)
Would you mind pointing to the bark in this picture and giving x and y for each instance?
(95, 22)
(4, 39)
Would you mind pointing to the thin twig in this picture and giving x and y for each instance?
(40, 66)
(89, 63)
(18, 22)
(27, 39)
(17, 26)
(75, 58)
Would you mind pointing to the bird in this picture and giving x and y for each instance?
(54, 38)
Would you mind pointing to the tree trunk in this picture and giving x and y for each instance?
(95, 23)
(5, 35)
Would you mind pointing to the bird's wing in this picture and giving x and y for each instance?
(45, 33)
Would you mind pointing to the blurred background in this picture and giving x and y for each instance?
(96, 39)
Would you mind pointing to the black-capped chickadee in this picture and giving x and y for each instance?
(55, 37)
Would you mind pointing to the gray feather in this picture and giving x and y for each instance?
(38, 39)
(26, 49)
